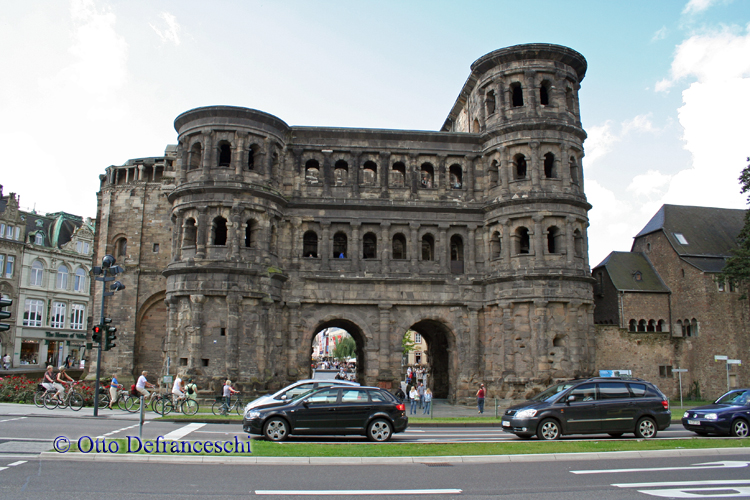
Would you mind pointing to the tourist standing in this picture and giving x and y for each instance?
(427, 401)
(413, 400)
(480, 399)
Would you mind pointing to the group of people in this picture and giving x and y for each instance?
(416, 375)
(420, 397)
(56, 383)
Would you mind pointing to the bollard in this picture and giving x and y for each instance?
(140, 423)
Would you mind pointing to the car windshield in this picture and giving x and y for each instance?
(734, 398)
(551, 393)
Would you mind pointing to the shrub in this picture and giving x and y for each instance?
(17, 389)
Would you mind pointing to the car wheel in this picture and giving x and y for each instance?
(549, 430)
(616, 434)
(379, 430)
(646, 428)
(276, 429)
(740, 428)
(524, 436)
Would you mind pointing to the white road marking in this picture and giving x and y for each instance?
(683, 483)
(9, 419)
(359, 492)
(17, 463)
(699, 493)
(182, 432)
(707, 465)
(3, 468)
(119, 430)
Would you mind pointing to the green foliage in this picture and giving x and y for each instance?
(695, 391)
(345, 348)
(737, 269)
(407, 344)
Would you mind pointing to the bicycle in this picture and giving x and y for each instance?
(119, 400)
(72, 399)
(39, 395)
(221, 408)
(164, 405)
(133, 401)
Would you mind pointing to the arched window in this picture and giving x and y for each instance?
(196, 156)
(549, 166)
(341, 173)
(574, 171)
(121, 247)
(578, 243)
(80, 280)
(679, 327)
(399, 247)
(312, 171)
(651, 327)
(37, 273)
(456, 174)
(219, 231)
(250, 227)
(523, 242)
(519, 162)
(694, 327)
(369, 246)
(494, 173)
(489, 102)
(62, 277)
(225, 154)
(569, 99)
(189, 233)
(251, 154)
(660, 326)
(310, 244)
(398, 174)
(642, 325)
(516, 94)
(496, 245)
(274, 238)
(428, 247)
(475, 127)
(544, 91)
(632, 326)
(457, 254)
(369, 173)
(39, 238)
(554, 239)
(339, 245)
(427, 175)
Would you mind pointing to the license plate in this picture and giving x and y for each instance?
(506, 423)
(694, 422)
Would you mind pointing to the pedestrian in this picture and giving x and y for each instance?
(427, 401)
(400, 394)
(114, 386)
(413, 400)
(420, 391)
(6, 361)
(480, 399)
(228, 391)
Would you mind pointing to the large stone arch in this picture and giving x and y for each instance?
(353, 328)
(150, 334)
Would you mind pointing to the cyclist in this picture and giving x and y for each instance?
(114, 387)
(48, 381)
(142, 385)
(228, 391)
(61, 380)
(177, 391)
(191, 390)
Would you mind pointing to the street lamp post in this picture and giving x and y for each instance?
(108, 267)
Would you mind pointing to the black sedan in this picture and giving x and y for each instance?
(729, 415)
(365, 411)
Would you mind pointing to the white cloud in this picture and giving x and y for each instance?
(696, 6)
(602, 139)
(171, 33)
(640, 123)
(650, 184)
(660, 34)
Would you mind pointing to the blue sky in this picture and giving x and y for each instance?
(91, 83)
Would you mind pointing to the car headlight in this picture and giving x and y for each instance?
(711, 416)
(686, 414)
(525, 413)
(252, 414)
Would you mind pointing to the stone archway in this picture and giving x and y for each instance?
(150, 334)
(442, 359)
(358, 336)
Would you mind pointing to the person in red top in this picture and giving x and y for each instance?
(480, 399)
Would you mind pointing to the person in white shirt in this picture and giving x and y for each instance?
(142, 384)
(177, 389)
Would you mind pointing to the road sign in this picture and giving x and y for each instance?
(679, 370)
(734, 361)
(720, 358)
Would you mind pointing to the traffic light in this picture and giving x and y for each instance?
(4, 327)
(96, 336)
(109, 334)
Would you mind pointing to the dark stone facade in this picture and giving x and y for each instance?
(251, 236)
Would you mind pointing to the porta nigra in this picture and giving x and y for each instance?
(250, 236)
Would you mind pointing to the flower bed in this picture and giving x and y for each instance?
(19, 389)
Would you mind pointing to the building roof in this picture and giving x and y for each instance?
(702, 236)
(57, 227)
(632, 272)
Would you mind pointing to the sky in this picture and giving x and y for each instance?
(85, 84)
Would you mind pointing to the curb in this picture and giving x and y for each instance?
(473, 459)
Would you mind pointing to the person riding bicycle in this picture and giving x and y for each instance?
(114, 387)
(60, 385)
(142, 384)
(48, 381)
(191, 390)
(177, 391)
(228, 391)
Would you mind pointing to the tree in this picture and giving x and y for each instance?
(737, 268)
(407, 344)
(345, 348)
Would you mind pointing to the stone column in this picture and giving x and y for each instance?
(141, 175)
(442, 246)
(441, 176)
(385, 160)
(176, 220)
(538, 244)
(385, 246)
(235, 233)
(261, 351)
(384, 334)
(580, 175)
(296, 241)
(472, 243)
(488, 255)
(576, 344)
(585, 245)
(299, 175)
(182, 169)
(532, 93)
(415, 248)
(195, 331)
(292, 368)
(570, 249)
(474, 338)
(170, 342)
(327, 172)
(325, 246)
(208, 154)
(234, 314)
(413, 172)
(534, 166)
(355, 172)
(471, 163)
(509, 365)
(539, 342)
(201, 236)
(504, 171)
(355, 247)
(238, 155)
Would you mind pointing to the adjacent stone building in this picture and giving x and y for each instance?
(250, 236)
(668, 307)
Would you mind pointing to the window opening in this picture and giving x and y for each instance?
(427, 173)
(553, 239)
(544, 93)
(496, 245)
(312, 171)
(523, 241)
(399, 247)
(516, 94)
(37, 272)
(196, 156)
(62, 278)
(219, 231)
(398, 174)
(494, 170)
(369, 246)
(456, 175)
(189, 233)
(549, 166)
(428, 246)
(370, 173)
(341, 173)
(520, 162)
(310, 244)
(490, 102)
(225, 154)
(681, 238)
(339, 245)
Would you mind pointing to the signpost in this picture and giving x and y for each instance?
(680, 371)
(737, 362)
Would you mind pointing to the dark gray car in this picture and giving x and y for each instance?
(611, 406)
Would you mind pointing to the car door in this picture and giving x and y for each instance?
(581, 413)
(295, 391)
(617, 408)
(354, 410)
(316, 414)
